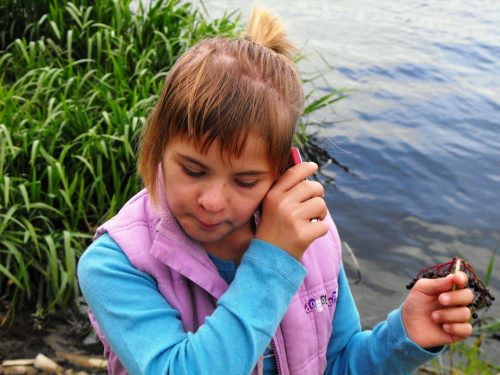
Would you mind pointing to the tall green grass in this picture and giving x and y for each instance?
(77, 79)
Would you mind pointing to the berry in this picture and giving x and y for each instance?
(482, 296)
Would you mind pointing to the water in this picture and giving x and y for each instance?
(420, 133)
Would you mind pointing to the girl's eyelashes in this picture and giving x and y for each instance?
(246, 185)
(191, 172)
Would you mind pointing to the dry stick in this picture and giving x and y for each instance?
(18, 362)
(27, 370)
(457, 270)
(358, 269)
(46, 364)
(83, 361)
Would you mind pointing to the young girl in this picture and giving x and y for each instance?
(216, 266)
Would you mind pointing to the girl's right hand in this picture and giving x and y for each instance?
(287, 210)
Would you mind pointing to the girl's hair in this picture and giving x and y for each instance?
(226, 89)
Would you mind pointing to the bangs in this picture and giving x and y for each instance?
(230, 97)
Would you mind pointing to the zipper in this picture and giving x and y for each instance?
(277, 339)
(278, 367)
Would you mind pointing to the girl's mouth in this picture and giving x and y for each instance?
(207, 226)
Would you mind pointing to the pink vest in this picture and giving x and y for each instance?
(187, 278)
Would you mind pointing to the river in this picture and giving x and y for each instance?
(419, 133)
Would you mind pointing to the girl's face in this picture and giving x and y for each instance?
(212, 199)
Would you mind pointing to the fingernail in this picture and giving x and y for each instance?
(446, 327)
(445, 299)
(435, 316)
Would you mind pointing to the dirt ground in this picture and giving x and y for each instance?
(65, 337)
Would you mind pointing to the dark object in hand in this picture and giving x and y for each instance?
(482, 296)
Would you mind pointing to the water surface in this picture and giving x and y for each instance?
(420, 133)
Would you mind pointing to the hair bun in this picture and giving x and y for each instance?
(267, 30)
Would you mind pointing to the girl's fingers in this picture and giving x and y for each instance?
(306, 190)
(317, 229)
(295, 175)
(457, 297)
(460, 279)
(459, 330)
(315, 208)
(452, 315)
(441, 285)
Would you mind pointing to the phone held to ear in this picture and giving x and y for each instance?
(295, 156)
(296, 159)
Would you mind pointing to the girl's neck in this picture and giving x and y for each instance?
(233, 246)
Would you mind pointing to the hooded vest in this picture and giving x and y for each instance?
(155, 244)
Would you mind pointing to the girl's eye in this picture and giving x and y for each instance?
(191, 172)
(246, 184)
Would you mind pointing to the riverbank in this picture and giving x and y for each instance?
(65, 338)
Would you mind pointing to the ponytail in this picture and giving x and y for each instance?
(267, 30)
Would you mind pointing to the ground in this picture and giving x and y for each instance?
(58, 336)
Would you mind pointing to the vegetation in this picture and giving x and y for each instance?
(77, 79)
(468, 357)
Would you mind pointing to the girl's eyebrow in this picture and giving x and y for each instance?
(245, 173)
(251, 173)
(190, 159)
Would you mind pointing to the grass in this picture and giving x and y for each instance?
(76, 84)
(77, 80)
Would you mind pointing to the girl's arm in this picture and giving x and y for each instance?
(384, 350)
(146, 333)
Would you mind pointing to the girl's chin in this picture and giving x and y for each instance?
(205, 233)
(208, 235)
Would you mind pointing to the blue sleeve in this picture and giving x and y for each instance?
(384, 350)
(146, 333)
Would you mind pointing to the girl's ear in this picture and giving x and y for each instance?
(256, 217)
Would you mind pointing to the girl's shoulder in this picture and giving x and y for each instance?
(137, 212)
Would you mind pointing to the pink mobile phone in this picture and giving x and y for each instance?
(297, 160)
(295, 156)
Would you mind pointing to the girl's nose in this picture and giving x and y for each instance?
(213, 198)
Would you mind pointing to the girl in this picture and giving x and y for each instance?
(216, 266)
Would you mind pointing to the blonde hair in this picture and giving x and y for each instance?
(225, 89)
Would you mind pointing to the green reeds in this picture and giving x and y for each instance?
(77, 79)
(76, 82)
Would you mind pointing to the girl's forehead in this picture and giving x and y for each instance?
(254, 150)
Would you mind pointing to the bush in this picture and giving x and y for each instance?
(76, 81)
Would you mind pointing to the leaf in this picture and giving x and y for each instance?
(22, 48)
(55, 29)
(33, 235)
(490, 266)
(24, 193)
(34, 151)
(45, 206)
(11, 277)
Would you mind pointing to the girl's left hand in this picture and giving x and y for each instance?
(287, 210)
(434, 314)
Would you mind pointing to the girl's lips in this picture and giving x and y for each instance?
(207, 226)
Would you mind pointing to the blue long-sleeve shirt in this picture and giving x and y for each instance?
(146, 333)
